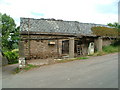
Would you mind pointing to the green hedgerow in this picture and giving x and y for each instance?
(11, 56)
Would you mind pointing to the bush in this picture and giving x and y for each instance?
(110, 49)
(116, 43)
(15, 50)
(12, 57)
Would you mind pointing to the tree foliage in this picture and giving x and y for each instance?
(10, 34)
(115, 25)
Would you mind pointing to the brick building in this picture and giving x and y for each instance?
(50, 38)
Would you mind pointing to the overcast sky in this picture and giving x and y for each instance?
(87, 11)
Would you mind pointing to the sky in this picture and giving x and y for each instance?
(86, 11)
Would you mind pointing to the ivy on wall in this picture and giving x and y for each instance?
(105, 31)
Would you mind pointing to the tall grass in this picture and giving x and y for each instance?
(115, 47)
(111, 49)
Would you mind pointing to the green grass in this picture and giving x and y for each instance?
(81, 58)
(27, 67)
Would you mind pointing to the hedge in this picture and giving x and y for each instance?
(11, 56)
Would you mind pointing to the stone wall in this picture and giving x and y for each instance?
(41, 48)
(104, 42)
(107, 41)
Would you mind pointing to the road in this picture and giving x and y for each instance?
(95, 72)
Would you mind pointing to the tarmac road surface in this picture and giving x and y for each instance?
(95, 72)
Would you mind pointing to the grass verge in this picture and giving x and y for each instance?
(27, 67)
(67, 60)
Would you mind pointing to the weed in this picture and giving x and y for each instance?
(81, 58)
(27, 67)
(17, 70)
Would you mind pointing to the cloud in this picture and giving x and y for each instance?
(91, 11)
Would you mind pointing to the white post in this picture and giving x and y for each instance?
(21, 55)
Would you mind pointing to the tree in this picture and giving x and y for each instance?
(115, 25)
(9, 32)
